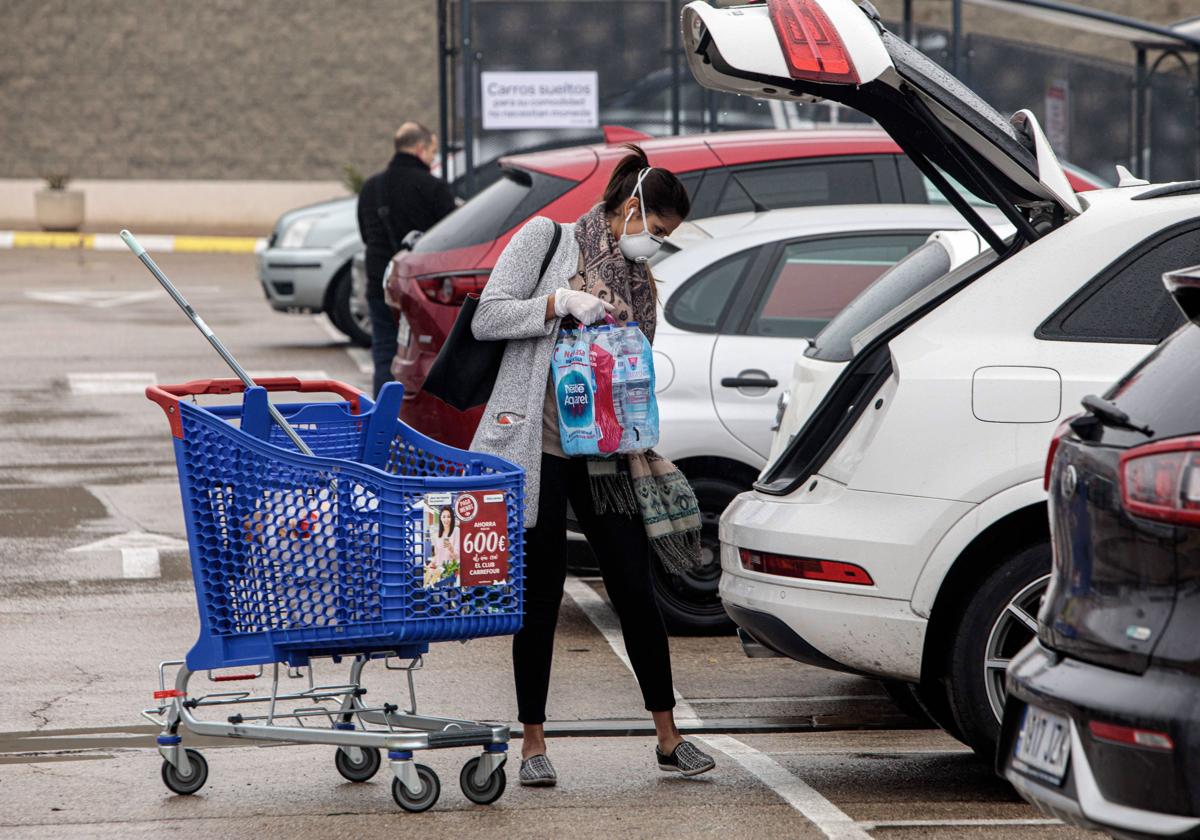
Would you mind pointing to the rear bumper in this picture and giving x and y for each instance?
(839, 630)
(1127, 791)
(295, 279)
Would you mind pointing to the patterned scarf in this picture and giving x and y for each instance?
(639, 482)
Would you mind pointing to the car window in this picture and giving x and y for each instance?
(815, 278)
(1128, 302)
(496, 209)
(701, 301)
(799, 185)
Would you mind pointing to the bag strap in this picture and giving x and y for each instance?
(552, 250)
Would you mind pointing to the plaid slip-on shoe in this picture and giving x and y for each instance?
(686, 759)
(537, 772)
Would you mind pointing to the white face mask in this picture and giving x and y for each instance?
(639, 247)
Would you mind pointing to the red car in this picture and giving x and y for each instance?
(725, 173)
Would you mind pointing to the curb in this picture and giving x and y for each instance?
(11, 239)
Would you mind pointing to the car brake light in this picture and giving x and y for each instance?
(1162, 480)
(1063, 428)
(451, 289)
(1131, 737)
(812, 47)
(804, 568)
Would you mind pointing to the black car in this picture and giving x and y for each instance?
(1102, 724)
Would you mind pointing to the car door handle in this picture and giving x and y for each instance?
(748, 382)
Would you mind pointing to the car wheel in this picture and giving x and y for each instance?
(691, 603)
(997, 621)
(349, 314)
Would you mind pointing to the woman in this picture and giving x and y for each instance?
(598, 269)
(445, 548)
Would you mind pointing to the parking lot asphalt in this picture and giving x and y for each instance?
(95, 592)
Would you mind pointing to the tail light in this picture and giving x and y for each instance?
(451, 289)
(1162, 480)
(1063, 428)
(804, 568)
(1131, 736)
(812, 47)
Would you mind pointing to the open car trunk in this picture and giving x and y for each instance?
(836, 50)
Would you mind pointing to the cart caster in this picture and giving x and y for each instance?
(431, 789)
(361, 770)
(189, 784)
(489, 791)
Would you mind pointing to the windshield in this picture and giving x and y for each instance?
(893, 287)
(519, 194)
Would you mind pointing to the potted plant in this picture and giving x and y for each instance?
(56, 207)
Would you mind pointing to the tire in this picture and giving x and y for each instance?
(998, 620)
(904, 695)
(351, 317)
(691, 603)
(489, 792)
(431, 789)
(363, 770)
(186, 785)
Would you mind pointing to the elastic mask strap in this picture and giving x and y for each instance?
(637, 190)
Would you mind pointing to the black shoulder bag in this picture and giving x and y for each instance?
(464, 372)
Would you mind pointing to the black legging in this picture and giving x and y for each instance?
(623, 551)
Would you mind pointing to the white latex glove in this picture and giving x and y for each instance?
(587, 309)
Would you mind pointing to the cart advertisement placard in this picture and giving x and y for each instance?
(466, 538)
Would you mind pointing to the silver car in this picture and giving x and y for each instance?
(306, 266)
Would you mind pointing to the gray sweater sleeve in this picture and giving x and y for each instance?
(506, 308)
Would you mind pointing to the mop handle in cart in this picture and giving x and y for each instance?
(140, 252)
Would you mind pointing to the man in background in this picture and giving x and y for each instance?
(402, 198)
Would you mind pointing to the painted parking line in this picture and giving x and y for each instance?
(829, 819)
(981, 823)
(110, 383)
(152, 242)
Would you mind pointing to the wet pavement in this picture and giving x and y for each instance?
(95, 592)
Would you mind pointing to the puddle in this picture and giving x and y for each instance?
(46, 511)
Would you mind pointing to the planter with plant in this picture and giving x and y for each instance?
(56, 207)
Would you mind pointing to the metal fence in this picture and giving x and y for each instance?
(1086, 104)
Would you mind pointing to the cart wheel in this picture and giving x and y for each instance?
(186, 785)
(489, 791)
(431, 789)
(361, 771)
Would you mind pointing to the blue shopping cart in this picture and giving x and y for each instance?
(378, 543)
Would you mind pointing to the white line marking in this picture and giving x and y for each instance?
(831, 820)
(827, 817)
(140, 563)
(870, 826)
(113, 382)
(330, 330)
(6, 239)
(827, 698)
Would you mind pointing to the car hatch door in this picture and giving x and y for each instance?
(812, 50)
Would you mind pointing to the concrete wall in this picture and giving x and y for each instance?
(211, 89)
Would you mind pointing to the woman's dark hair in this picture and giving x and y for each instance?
(442, 531)
(662, 193)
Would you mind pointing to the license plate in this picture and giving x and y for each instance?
(1043, 745)
(403, 333)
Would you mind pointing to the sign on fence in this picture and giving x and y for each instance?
(568, 99)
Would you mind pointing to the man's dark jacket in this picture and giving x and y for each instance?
(413, 199)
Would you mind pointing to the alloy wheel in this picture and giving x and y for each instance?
(1014, 627)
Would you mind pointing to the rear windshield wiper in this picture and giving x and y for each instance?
(1109, 415)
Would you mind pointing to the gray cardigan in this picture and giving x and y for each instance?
(513, 307)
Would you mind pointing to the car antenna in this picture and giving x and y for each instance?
(140, 253)
(758, 206)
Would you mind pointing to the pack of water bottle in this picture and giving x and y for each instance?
(604, 387)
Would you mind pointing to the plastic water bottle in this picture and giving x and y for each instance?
(636, 390)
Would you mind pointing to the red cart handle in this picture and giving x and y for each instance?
(167, 396)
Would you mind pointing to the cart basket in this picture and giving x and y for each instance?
(296, 556)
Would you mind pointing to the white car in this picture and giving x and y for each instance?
(901, 529)
(739, 297)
